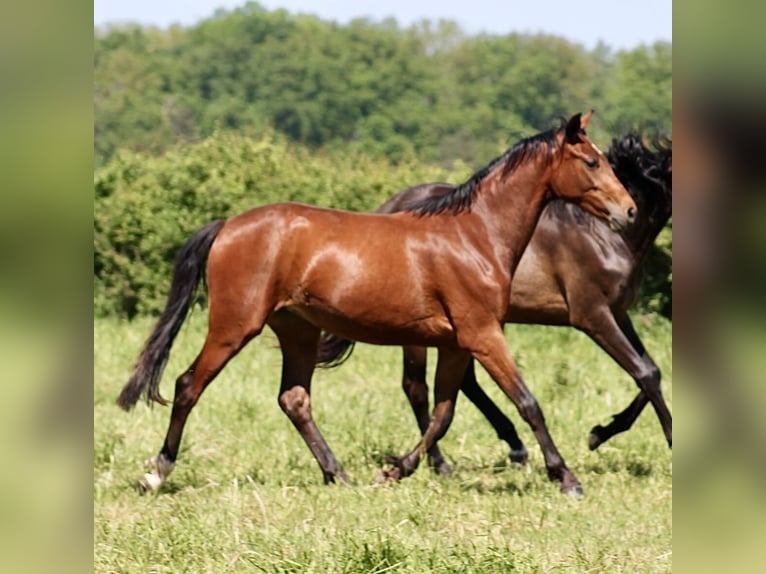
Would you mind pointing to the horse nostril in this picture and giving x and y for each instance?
(631, 213)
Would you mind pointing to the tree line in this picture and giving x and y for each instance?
(372, 86)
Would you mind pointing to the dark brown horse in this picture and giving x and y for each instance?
(575, 271)
(435, 275)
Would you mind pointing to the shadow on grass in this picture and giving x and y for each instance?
(636, 468)
(508, 486)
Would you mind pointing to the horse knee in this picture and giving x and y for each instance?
(649, 380)
(528, 408)
(296, 404)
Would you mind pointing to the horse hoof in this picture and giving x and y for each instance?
(340, 478)
(394, 474)
(594, 438)
(440, 467)
(519, 456)
(574, 490)
(159, 469)
(387, 477)
(150, 483)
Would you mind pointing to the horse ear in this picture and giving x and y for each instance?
(586, 120)
(572, 130)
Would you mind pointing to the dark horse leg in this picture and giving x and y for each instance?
(415, 388)
(219, 347)
(618, 338)
(621, 422)
(450, 364)
(494, 356)
(632, 357)
(298, 340)
(501, 423)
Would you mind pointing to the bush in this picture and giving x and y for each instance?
(656, 292)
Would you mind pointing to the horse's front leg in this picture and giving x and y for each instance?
(620, 422)
(501, 423)
(450, 367)
(491, 350)
(617, 337)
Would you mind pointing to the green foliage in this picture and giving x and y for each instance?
(640, 90)
(656, 292)
(371, 86)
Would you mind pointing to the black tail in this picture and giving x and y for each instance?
(333, 351)
(189, 271)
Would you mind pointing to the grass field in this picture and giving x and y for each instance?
(247, 496)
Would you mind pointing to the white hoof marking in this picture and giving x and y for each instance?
(159, 468)
(152, 481)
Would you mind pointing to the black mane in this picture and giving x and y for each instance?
(634, 163)
(462, 196)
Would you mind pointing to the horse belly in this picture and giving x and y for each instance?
(381, 325)
(369, 291)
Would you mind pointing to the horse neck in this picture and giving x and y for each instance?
(641, 235)
(511, 205)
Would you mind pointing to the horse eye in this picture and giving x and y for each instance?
(592, 163)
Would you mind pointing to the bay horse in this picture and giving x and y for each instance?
(574, 272)
(434, 275)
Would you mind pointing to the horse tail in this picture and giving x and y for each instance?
(333, 350)
(188, 273)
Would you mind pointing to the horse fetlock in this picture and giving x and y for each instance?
(519, 455)
(572, 489)
(569, 483)
(439, 465)
(159, 469)
(336, 477)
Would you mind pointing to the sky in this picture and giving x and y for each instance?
(621, 24)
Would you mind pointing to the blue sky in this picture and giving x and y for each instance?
(619, 23)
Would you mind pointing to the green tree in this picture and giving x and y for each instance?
(640, 93)
(428, 89)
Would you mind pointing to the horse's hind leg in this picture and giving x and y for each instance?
(298, 340)
(415, 388)
(501, 423)
(230, 326)
(452, 362)
(215, 353)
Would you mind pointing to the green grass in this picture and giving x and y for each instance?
(247, 496)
